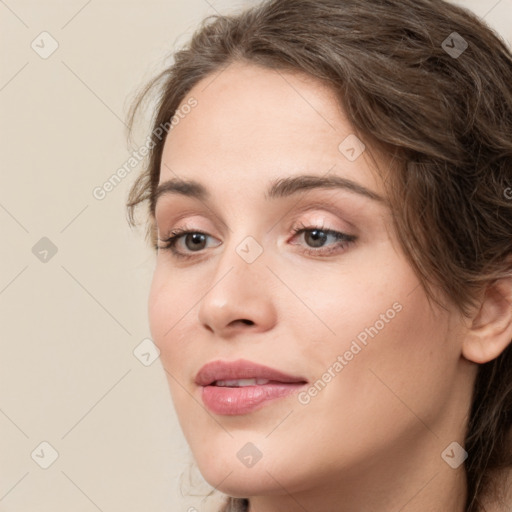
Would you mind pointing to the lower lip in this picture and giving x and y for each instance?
(245, 399)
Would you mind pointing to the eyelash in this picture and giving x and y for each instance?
(343, 240)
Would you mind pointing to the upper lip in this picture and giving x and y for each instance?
(240, 369)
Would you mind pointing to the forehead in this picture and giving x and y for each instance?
(257, 124)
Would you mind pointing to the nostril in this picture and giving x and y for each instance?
(247, 322)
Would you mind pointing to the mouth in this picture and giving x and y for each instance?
(240, 387)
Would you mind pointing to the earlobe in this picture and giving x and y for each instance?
(490, 330)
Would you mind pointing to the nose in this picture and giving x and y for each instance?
(239, 297)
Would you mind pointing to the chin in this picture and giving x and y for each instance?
(237, 480)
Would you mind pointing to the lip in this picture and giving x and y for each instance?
(241, 369)
(226, 400)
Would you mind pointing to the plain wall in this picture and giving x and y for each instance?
(70, 323)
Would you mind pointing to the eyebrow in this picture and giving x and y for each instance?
(280, 188)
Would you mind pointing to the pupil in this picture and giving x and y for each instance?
(318, 240)
(197, 238)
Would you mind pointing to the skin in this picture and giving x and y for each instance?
(372, 439)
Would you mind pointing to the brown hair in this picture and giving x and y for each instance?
(445, 117)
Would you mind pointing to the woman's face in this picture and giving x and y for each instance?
(379, 382)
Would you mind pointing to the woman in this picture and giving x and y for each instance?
(332, 296)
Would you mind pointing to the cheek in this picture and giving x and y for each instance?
(386, 350)
(169, 303)
(359, 303)
(417, 360)
(160, 308)
(168, 307)
(397, 365)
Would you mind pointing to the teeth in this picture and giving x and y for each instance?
(241, 382)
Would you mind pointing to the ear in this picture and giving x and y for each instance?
(490, 328)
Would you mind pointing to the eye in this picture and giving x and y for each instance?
(193, 240)
(314, 236)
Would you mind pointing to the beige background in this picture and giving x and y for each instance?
(70, 325)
